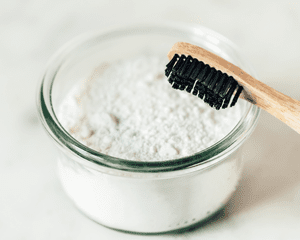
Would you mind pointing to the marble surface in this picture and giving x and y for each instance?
(32, 202)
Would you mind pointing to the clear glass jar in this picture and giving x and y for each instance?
(144, 197)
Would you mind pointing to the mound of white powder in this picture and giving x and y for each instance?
(129, 110)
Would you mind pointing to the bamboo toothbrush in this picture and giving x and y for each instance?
(216, 80)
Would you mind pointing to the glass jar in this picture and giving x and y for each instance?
(144, 197)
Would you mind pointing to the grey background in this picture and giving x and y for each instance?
(32, 203)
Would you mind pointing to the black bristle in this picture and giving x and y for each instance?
(189, 71)
(226, 86)
(211, 104)
(237, 94)
(197, 69)
(189, 89)
(215, 100)
(214, 80)
(195, 92)
(229, 94)
(225, 103)
(209, 77)
(201, 90)
(209, 98)
(186, 65)
(203, 73)
(220, 84)
(190, 84)
(182, 87)
(178, 64)
(168, 71)
(180, 81)
(175, 86)
(233, 87)
(171, 78)
(173, 61)
(170, 65)
(206, 98)
(219, 103)
(211, 85)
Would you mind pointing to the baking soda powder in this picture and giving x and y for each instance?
(131, 111)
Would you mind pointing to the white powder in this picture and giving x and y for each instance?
(129, 110)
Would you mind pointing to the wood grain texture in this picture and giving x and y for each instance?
(279, 105)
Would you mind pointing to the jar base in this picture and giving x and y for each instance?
(213, 217)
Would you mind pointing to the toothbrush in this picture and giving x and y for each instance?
(220, 83)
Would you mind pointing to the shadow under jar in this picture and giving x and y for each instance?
(141, 196)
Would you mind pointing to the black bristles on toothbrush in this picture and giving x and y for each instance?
(238, 92)
(211, 85)
(229, 93)
(171, 64)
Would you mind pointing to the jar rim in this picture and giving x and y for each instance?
(202, 159)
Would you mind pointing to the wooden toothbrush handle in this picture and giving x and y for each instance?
(279, 105)
(289, 114)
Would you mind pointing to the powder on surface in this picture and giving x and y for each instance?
(130, 111)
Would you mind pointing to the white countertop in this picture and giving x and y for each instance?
(32, 202)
